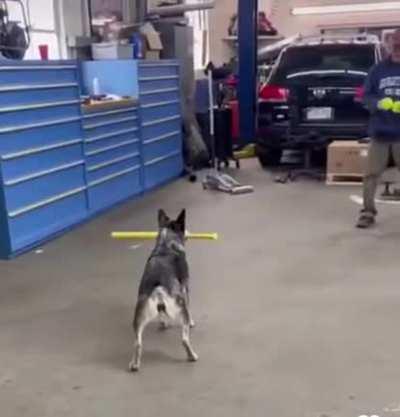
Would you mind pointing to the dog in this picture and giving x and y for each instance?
(164, 288)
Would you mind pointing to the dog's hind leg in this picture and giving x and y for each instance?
(144, 313)
(187, 296)
(191, 355)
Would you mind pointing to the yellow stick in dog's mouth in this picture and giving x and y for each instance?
(154, 235)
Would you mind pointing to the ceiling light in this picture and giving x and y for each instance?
(347, 8)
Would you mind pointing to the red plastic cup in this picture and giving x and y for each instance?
(44, 52)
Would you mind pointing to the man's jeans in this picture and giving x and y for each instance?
(378, 158)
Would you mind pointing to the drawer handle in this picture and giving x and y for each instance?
(109, 123)
(36, 175)
(46, 202)
(36, 67)
(34, 151)
(20, 87)
(159, 121)
(162, 137)
(110, 148)
(49, 123)
(113, 161)
(159, 91)
(159, 104)
(163, 158)
(161, 78)
(113, 176)
(38, 106)
(171, 64)
(109, 113)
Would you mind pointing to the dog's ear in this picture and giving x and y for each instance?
(181, 221)
(163, 219)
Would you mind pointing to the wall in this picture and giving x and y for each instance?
(280, 13)
(75, 17)
(221, 50)
(289, 24)
(42, 31)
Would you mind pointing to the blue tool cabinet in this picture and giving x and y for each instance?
(113, 155)
(161, 121)
(61, 163)
(43, 186)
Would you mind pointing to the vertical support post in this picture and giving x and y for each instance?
(248, 31)
(141, 10)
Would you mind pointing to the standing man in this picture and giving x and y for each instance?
(382, 97)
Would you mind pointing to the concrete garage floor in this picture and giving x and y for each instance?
(298, 312)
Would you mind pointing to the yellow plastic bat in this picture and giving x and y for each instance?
(154, 235)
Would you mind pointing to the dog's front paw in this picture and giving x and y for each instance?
(134, 367)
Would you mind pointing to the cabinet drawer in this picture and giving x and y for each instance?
(109, 118)
(154, 129)
(160, 110)
(117, 187)
(102, 158)
(162, 170)
(52, 217)
(15, 115)
(37, 73)
(151, 84)
(17, 95)
(162, 95)
(36, 135)
(23, 192)
(39, 159)
(163, 145)
(158, 70)
(98, 131)
(116, 139)
(99, 172)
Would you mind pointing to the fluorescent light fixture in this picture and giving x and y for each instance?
(347, 8)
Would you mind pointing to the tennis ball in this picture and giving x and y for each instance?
(386, 104)
(396, 107)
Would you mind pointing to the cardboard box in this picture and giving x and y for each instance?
(154, 45)
(347, 158)
(152, 55)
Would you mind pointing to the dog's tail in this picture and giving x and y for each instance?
(159, 294)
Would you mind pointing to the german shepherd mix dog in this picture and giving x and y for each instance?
(164, 289)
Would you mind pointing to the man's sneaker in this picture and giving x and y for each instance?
(365, 221)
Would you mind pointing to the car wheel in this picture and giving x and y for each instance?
(269, 157)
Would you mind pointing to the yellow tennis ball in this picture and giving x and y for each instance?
(386, 104)
(396, 107)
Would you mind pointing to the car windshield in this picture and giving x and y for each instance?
(325, 61)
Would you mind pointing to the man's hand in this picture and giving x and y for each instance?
(386, 104)
(396, 107)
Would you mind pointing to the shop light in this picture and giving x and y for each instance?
(347, 8)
